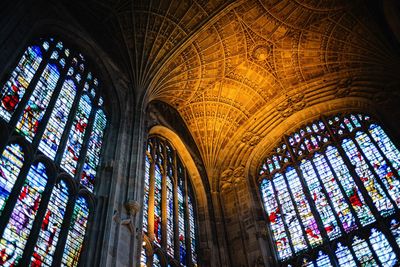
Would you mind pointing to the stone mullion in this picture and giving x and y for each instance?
(164, 219)
(343, 191)
(307, 194)
(150, 213)
(176, 206)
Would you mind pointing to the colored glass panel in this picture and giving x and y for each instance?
(363, 252)
(15, 87)
(395, 229)
(54, 129)
(382, 248)
(386, 145)
(380, 166)
(51, 226)
(303, 208)
(11, 162)
(181, 224)
(192, 227)
(33, 113)
(146, 194)
(94, 149)
(349, 186)
(323, 260)
(276, 219)
(290, 218)
(375, 191)
(156, 261)
(16, 233)
(75, 138)
(339, 203)
(318, 196)
(170, 216)
(76, 234)
(344, 256)
(157, 203)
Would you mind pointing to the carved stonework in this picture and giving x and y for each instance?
(231, 176)
(291, 105)
(251, 139)
(343, 88)
(132, 207)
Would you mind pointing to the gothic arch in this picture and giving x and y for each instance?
(201, 201)
(302, 117)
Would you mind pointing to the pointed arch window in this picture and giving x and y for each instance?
(52, 106)
(169, 207)
(331, 193)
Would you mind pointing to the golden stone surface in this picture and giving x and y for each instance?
(235, 70)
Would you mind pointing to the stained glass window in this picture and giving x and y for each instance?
(50, 162)
(21, 220)
(334, 177)
(174, 206)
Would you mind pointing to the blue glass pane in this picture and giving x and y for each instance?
(75, 138)
(344, 256)
(10, 164)
(76, 234)
(93, 154)
(382, 248)
(55, 127)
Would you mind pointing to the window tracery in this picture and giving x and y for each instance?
(48, 164)
(172, 229)
(331, 194)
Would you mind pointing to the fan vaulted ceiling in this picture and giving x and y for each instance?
(234, 70)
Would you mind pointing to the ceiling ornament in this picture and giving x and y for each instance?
(291, 105)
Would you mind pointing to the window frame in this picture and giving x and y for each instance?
(33, 153)
(294, 161)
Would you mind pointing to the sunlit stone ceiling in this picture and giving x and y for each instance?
(234, 70)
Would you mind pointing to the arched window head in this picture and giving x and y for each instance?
(331, 193)
(53, 102)
(169, 208)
